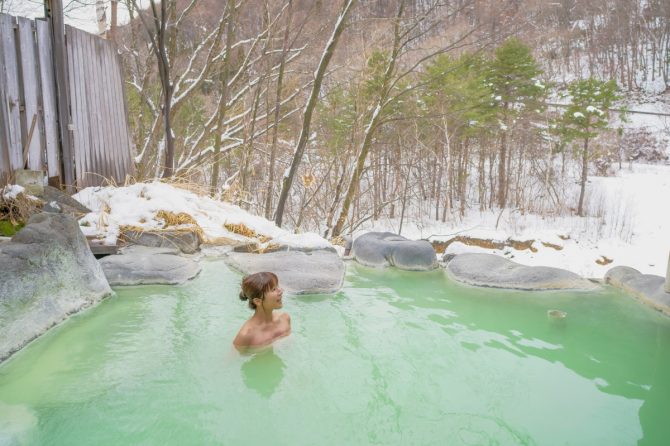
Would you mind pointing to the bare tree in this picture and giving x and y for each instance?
(158, 37)
(309, 108)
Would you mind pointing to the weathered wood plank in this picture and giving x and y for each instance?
(10, 77)
(101, 85)
(95, 107)
(5, 168)
(129, 152)
(62, 92)
(77, 104)
(89, 170)
(48, 89)
(111, 94)
(4, 133)
(29, 89)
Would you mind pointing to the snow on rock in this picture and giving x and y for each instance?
(138, 204)
(305, 240)
(11, 191)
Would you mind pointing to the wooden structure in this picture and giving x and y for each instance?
(62, 104)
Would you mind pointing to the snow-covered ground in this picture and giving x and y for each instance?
(138, 205)
(631, 227)
(630, 223)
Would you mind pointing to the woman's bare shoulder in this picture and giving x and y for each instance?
(244, 336)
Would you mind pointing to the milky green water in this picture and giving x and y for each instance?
(395, 358)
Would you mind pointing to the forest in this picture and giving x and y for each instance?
(325, 115)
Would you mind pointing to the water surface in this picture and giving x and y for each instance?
(395, 358)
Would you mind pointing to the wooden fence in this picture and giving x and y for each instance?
(29, 117)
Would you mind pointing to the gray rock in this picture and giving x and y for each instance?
(299, 272)
(142, 265)
(148, 250)
(186, 241)
(490, 270)
(58, 201)
(381, 249)
(645, 287)
(47, 272)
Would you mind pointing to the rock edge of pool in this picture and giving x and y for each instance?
(30, 307)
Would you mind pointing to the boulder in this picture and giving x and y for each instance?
(187, 241)
(47, 272)
(299, 272)
(57, 201)
(143, 265)
(647, 288)
(490, 270)
(381, 249)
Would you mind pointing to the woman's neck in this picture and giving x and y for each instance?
(263, 315)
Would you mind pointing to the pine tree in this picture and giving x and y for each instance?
(513, 77)
(586, 117)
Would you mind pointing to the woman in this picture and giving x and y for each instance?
(262, 292)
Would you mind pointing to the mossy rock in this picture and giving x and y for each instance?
(7, 229)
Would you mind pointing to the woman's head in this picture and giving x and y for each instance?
(255, 286)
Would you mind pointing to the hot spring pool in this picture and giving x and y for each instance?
(395, 358)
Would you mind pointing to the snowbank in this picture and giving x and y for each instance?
(138, 204)
(631, 227)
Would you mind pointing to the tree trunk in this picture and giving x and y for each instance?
(404, 195)
(214, 180)
(309, 109)
(440, 171)
(585, 171)
(275, 130)
(372, 126)
(502, 175)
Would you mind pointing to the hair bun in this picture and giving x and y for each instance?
(243, 296)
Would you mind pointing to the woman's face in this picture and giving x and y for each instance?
(273, 298)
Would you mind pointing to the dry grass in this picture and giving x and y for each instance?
(246, 231)
(552, 245)
(173, 222)
(18, 210)
(172, 219)
(188, 183)
(339, 241)
(604, 260)
(519, 245)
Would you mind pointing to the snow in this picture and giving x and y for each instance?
(11, 191)
(138, 204)
(632, 227)
(629, 223)
(592, 109)
(578, 115)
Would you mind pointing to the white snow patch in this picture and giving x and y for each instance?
(138, 204)
(632, 227)
(11, 191)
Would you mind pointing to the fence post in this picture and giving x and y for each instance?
(55, 8)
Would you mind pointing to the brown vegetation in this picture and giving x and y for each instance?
(441, 246)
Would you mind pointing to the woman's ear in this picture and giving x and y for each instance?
(257, 301)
